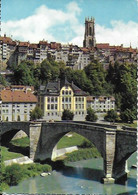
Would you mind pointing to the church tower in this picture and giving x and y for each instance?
(89, 36)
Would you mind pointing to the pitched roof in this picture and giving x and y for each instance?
(8, 96)
(53, 88)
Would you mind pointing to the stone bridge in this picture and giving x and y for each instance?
(115, 145)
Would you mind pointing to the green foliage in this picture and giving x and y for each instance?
(128, 116)
(82, 154)
(74, 140)
(13, 174)
(23, 75)
(67, 115)
(91, 116)
(111, 116)
(9, 155)
(36, 113)
(22, 142)
(2, 80)
(35, 169)
(86, 144)
(123, 77)
(96, 73)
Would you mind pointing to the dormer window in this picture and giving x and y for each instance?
(63, 92)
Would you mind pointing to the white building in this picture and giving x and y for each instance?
(101, 103)
(16, 105)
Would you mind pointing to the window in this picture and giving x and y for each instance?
(52, 99)
(52, 106)
(66, 92)
(55, 99)
(69, 92)
(56, 106)
(66, 99)
(63, 92)
(76, 106)
(48, 99)
(48, 106)
(70, 99)
(63, 106)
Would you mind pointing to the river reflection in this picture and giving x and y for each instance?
(81, 177)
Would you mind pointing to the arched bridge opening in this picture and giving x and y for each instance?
(52, 133)
(9, 131)
(73, 141)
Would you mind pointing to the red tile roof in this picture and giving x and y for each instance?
(8, 96)
(43, 43)
(24, 44)
(102, 45)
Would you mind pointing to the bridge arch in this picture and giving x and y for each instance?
(10, 129)
(52, 133)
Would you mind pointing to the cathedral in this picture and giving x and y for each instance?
(89, 36)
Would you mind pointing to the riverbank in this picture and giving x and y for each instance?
(12, 175)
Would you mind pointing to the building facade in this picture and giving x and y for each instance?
(57, 96)
(101, 103)
(16, 103)
(13, 52)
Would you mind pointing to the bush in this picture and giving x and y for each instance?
(86, 144)
(13, 174)
(91, 116)
(67, 115)
(36, 113)
(128, 116)
(82, 154)
(111, 116)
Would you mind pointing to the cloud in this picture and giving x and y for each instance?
(46, 24)
(119, 33)
(65, 27)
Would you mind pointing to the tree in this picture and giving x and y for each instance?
(23, 75)
(67, 115)
(111, 116)
(36, 113)
(128, 116)
(91, 116)
(96, 73)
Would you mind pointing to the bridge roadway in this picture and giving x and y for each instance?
(115, 145)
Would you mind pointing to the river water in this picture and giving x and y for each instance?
(82, 177)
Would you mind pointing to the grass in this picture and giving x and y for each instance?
(22, 142)
(134, 125)
(75, 140)
(9, 155)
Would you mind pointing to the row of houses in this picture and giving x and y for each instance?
(13, 52)
(17, 101)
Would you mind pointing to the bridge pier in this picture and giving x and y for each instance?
(35, 133)
(110, 142)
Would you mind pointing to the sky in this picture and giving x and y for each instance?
(116, 21)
